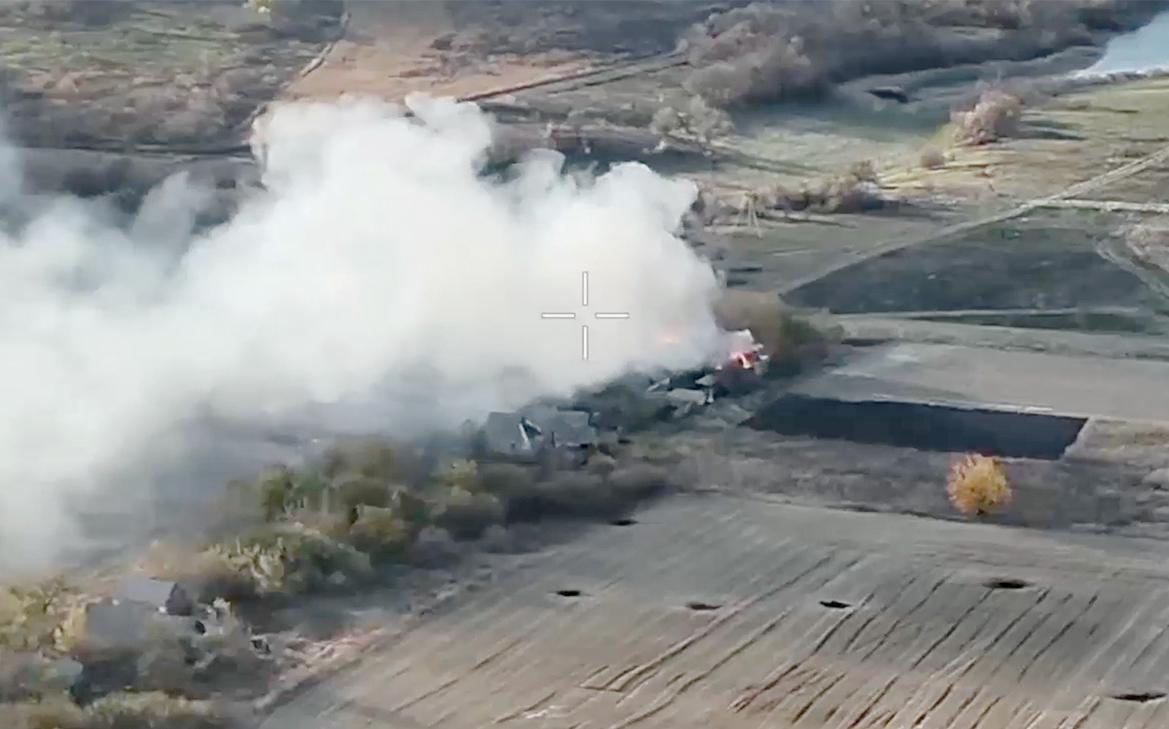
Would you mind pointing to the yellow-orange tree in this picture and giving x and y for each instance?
(978, 485)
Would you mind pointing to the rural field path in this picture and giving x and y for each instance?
(948, 233)
(862, 328)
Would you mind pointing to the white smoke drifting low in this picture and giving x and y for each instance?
(379, 271)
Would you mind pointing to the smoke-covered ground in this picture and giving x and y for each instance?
(379, 281)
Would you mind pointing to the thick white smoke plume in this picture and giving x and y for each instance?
(379, 274)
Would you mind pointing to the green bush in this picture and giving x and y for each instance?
(411, 507)
(466, 515)
(371, 458)
(579, 493)
(288, 559)
(32, 618)
(507, 481)
(460, 473)
(354, 492)
(380, 532)
(123, 710)
(280, 492)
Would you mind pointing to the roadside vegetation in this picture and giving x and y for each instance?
(70, 657)
(332, 524)
(123, 710)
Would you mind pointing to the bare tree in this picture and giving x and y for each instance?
(699, 122)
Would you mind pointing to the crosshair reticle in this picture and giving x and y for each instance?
(584, 302)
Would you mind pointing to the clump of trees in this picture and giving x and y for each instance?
(330, 524)
(325, 526)
(995, 115)
(697, 120)
(120, 710)
(855, 190)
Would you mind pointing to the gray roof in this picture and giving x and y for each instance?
(112, 625)
(569, 428)
(689, 397)
(145, 590)
(539, 425)
(507, 433)
(159, 594)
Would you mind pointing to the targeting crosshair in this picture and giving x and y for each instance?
(584, 302)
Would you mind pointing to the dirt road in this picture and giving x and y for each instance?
(854, 258)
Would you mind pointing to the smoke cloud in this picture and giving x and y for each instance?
(381, 280)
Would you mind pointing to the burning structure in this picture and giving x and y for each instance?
(745, 364)
(565, 435)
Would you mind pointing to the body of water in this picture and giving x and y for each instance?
(1143, 51)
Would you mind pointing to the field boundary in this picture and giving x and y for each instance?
(952, 231)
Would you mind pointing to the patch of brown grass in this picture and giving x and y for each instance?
(855, 191)
(978, 485)
(932, 158)
(37, 617)
(125, 710)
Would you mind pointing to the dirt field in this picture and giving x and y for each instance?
(828, 584)
(792, 581)
(147, 73)
(395, 48)
(728, 611)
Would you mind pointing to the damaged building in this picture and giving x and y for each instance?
(541, 434)
(564, 435)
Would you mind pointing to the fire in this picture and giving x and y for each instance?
(743, 352)
(746, 360)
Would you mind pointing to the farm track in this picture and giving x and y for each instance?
(951, 232)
